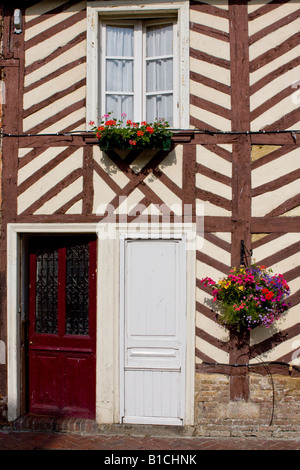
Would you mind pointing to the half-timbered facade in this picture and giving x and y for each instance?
(103, 315)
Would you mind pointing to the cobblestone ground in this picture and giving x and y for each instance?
(27, 440)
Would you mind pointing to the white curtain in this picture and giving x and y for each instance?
(119, 70)
(159, 72)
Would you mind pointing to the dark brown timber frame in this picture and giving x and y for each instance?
(241, 224)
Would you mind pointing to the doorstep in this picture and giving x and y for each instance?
(44, 423)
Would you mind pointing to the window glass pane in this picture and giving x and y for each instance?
(119, 72)
(119, 75)
(119, 104)
(159, 72)
(159, 75)
(46, 290)
(160, 106)
(159, 40)
(119, 41)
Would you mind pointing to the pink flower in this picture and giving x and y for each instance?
(91, 123)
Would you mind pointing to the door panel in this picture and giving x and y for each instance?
(62, 326)
(78, 367)
(154, 308)
(44, 386)
(153, 396)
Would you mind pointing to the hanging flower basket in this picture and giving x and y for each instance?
(114, 134)
(249, 296)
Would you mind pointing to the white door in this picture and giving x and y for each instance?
(153, 375)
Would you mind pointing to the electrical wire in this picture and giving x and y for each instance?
(193, 131)
(252, 364)
(266, 365)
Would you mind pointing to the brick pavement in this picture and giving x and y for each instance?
(32, 432)
(28, 440)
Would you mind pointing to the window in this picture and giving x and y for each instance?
(137, 75)
(138, 61)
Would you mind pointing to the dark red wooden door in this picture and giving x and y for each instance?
(62, 326)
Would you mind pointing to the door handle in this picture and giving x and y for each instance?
(30, 342)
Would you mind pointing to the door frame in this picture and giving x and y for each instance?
(107, 316)
(15, 307)
(183, 322)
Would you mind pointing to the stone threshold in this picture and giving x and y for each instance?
(44, 423)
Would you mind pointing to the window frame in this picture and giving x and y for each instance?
(114, 11)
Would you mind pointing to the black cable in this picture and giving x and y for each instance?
(56, 134)
(195, 131)
(266, 365)
(252, 365)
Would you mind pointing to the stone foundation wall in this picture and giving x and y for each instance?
(273, 408)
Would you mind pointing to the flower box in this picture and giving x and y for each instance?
(165, 145)
(113, 134)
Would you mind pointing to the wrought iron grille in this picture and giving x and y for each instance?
(62, 285)
(46, 290)
(77, 289)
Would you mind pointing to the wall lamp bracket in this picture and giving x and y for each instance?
(17, 21)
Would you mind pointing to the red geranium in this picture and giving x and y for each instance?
(125, 133)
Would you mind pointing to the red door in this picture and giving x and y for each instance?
(62, 326)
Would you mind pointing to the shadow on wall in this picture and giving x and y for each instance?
(143, 162)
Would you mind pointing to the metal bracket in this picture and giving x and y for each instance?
(245, 253)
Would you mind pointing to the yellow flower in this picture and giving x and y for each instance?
(226, 285)
(241, 287)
